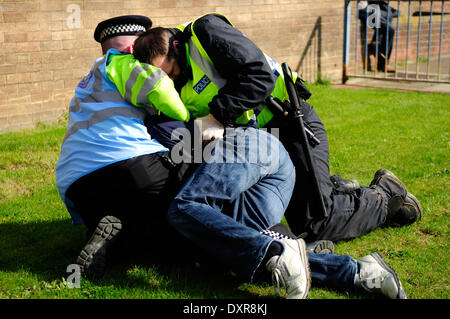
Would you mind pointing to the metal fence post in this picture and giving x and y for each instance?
(430, 34)
(440, 40)
(396, 38)
(408, 44)
(407, 38)
(347, 15)
(418, 40)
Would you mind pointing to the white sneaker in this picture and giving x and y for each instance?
(377, 276)
(291, 270)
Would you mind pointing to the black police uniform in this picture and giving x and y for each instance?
(249, 82)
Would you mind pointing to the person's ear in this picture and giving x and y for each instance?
(175, 44)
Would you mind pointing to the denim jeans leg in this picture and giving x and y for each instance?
(223, 206)
(333, 271)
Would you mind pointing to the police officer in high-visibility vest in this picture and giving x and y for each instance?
(110, 170)
(220, 72)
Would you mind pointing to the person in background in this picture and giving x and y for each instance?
(383, 14)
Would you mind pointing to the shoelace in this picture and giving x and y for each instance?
(277, 278)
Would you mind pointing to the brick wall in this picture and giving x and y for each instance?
(47, 46)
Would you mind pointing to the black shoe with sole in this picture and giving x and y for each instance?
(407, 214)
(320, 247)
(389, 183)
(393, 187)
(93, 256)
(403, 207)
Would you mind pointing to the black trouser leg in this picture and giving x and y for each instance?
(138, 191)
(349, 215)
(385, 39)
(126, 189)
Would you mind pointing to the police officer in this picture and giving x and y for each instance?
(220, 72)
(111, 172)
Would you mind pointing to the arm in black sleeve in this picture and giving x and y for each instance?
(238, 60)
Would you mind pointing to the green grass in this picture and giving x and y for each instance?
(405, 132)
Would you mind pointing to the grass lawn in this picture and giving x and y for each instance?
(405, 132)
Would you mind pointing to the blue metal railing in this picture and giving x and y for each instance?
(391, 51)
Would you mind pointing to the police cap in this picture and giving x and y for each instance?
(122, 25)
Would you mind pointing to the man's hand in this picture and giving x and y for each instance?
(211, 128)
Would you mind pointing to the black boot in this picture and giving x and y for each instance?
(93, 256)
(409, 212)
(403, 207)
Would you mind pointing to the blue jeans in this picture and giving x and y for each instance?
(241, 189)
(333, 271)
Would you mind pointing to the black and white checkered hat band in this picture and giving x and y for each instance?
(121, 29)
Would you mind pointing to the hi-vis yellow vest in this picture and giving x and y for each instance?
(199, 92)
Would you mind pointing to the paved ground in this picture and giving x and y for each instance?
(424, 68)
(398, 85)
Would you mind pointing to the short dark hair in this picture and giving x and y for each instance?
(152, 43)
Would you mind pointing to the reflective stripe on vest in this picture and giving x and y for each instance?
(98, 95)
(141, 97)
(261, 114)
(144, 86)
(102, 115)
(132, 81)
(198, 95)
(205, 65)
